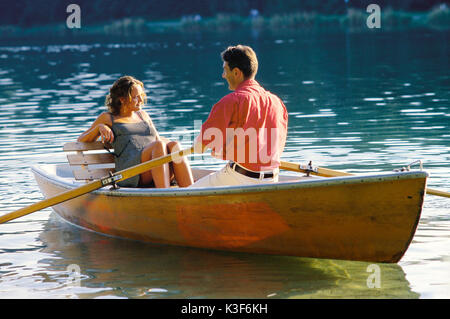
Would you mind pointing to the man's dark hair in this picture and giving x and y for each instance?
(241, 57)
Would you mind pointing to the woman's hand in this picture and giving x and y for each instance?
(106, 134)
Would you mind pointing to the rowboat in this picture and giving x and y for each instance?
(369, 217)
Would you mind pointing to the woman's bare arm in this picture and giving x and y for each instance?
(100, 128)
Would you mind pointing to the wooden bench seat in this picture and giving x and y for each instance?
(89, 161)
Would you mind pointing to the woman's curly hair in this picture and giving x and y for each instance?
(121, 88)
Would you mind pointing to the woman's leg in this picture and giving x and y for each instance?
(181, 168)
(160, 174)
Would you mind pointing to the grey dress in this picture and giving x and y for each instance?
(129, 141)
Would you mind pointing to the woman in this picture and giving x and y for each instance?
(131, 132)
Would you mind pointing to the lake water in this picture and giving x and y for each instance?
(358, 102)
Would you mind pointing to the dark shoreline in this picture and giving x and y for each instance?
(353, 21)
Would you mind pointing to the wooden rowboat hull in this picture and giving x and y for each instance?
(366, 218)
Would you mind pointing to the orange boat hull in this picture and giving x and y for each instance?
(369, 218)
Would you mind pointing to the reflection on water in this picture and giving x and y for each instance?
(121, 268)
(359, 102)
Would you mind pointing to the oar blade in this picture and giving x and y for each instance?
(51, 201)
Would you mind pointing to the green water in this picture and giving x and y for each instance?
(357, 102)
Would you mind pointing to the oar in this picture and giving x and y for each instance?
(326, 172)
(89, 187)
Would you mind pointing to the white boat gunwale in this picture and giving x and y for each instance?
(201, 191)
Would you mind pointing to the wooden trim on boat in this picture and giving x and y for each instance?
(344, 180)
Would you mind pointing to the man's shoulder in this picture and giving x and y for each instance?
(229, 98)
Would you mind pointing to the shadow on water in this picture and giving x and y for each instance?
(116, 268)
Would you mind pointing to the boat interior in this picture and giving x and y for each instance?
(92, 161)
(65, 172)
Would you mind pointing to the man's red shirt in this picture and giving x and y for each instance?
(248, 126)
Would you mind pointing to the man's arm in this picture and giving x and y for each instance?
(213, 130)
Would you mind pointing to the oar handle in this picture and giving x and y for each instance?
(326, 172)
(146, 166)
(437, 192)
(320, 171)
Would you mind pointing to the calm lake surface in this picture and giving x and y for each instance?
(357, 102)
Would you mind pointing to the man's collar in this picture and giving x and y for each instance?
(246, 83)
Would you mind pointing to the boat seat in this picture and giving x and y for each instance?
(89, 161)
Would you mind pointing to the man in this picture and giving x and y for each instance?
(247, 127)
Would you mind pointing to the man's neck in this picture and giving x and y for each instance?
(243, 81)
